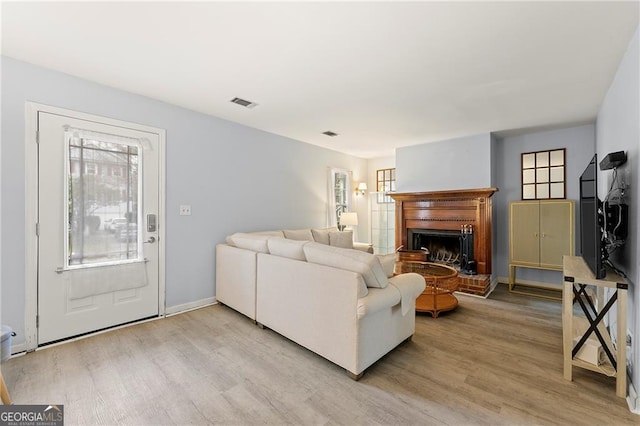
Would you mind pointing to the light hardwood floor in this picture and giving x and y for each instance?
(494, 361)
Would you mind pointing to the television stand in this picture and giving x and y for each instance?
(577, 276)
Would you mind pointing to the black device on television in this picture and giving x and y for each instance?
(591, 221)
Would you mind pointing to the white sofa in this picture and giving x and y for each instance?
(342, 304)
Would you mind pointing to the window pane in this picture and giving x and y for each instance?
(102, 207)
(542, 159)
(528, 161)
(528, 192)
(385, 182)
(557, 190)
(542, 175)
(557, 174)
(542, 190)
(557, 158)
(529, 176)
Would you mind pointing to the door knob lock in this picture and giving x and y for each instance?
(151, 240)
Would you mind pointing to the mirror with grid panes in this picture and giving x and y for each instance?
(543, 174)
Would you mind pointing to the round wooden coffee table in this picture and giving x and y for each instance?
(441, 282)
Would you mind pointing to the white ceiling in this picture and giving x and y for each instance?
(381, 75)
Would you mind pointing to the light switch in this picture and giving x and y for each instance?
(185, 210)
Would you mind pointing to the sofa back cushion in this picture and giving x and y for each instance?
(351, 260)
(342, 239)
(291, 249)
(298, 234)
(253, 242)
(269, 233)
(322, 235)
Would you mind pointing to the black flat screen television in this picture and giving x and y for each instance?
(591, 243)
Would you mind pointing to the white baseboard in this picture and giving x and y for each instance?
(197, 304)
(17, 348)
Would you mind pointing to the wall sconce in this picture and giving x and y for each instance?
(361, 189)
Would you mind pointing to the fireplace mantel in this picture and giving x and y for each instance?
(448, 210)
(455, 193)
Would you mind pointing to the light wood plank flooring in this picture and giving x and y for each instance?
(494, 361)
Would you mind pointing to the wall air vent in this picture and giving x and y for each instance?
(330, 133)
(244, 103)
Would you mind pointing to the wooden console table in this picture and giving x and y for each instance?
(441, 283)
(577, 276)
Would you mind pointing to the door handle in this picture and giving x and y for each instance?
(151, 240)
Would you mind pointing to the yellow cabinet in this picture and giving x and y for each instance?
(540, 233)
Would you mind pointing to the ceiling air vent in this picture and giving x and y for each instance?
(330, 133)
(244, 102)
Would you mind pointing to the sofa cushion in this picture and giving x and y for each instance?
(252, 242)
(351, 260)
(342, 239)
(298, 234)
(269, 233)
(388, 262)
(291, 249)
(322, 235)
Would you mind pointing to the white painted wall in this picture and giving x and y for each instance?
(618, 129)
(460, 163)
(580, 144)
(235, 178)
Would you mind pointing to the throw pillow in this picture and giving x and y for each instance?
(253, 242)
(341, 239)
(298, 234)
(320, 236)
(363, 263)
(388, 262)
(291, 249)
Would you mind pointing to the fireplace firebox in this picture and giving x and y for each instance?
(452, 248)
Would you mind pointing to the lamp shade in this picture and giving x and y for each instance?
(348, 218)
(362, 187)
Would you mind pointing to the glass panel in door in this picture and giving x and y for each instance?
(103, 200)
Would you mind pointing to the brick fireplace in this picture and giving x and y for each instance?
(444, 213)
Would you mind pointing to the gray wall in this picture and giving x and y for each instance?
(580, 144)
(618, 129)
(460, 163)
(235, 178)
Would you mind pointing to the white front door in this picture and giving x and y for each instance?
(98, 215)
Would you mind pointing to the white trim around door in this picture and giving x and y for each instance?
(31, 209)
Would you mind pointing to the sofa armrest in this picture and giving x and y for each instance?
(410, 286)
(365, 247)
(236, 278)
(377, 300)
